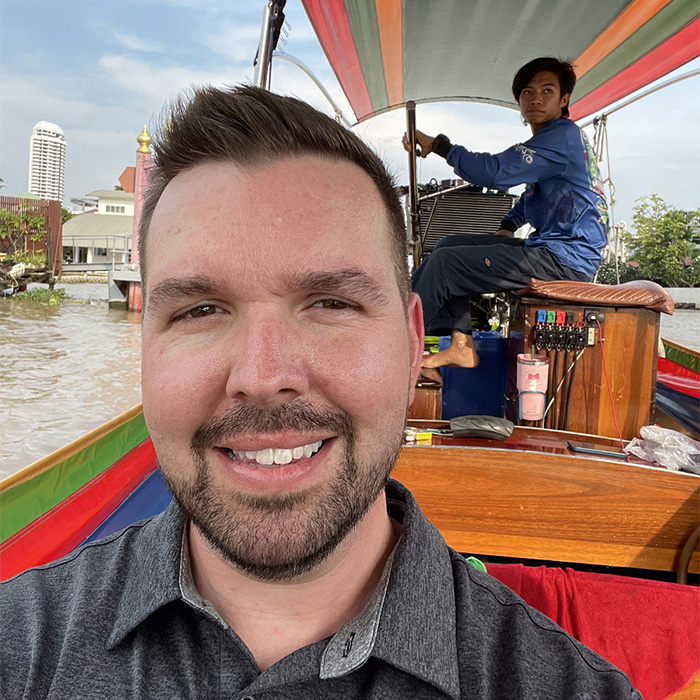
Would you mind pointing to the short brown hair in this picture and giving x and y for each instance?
(562, 69)
(251, 126)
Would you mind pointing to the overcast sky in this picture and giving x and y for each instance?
(102, 70)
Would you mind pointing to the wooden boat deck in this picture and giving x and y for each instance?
(531, 497)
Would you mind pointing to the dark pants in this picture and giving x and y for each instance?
(467, 264)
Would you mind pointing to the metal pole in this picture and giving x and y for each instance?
(262, 66)
(414, 213)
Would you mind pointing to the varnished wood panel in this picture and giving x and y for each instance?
(631, 342)
(510, 503)
(427, 403)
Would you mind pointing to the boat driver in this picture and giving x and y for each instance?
(563, 200)
(281, 345)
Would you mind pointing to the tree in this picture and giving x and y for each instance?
(66, 215)
(16, 229)
(607, 272)
(663, 243)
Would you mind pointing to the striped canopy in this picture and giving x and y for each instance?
(385, 52)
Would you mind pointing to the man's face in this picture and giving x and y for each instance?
(541, 99)
(278, 358)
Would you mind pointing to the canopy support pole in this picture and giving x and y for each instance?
(273, 18)
(414, 213)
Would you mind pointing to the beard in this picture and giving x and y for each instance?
(278, 537)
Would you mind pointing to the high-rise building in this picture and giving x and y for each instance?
(47, 161)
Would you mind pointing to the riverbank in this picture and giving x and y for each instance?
(97, 277)
(685, 297)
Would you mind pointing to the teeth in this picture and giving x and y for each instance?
(265, 457)
(283, 456)
(276, 455)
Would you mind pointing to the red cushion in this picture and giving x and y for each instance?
(649, 629)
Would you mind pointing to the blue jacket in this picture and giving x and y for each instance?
(564, 199)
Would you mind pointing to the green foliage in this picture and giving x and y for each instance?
(36, 259)
(9, 221)
(16, 229)
(663, 243)
(608, 275)
(119, 188)
(66, 215)
(51, 297)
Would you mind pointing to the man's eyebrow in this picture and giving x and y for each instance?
(351, 281)
(173, 289)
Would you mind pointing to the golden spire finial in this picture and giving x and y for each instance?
(144, 141)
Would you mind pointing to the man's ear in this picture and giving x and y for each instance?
(416, 339)
(565, 100)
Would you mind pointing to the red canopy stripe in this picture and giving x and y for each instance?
(60, 530)
(633, 17)
(390, 17)
(330, 22)
(682, 47)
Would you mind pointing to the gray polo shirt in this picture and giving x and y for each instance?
(120, 618)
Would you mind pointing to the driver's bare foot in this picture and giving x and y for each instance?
(459, 353)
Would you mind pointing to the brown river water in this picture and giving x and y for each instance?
(64, 370)
(67, 369)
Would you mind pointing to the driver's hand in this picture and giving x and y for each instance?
(424, 144)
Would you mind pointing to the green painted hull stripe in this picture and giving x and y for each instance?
(684, 359)
(29, 500)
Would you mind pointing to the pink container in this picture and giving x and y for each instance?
(532, 376)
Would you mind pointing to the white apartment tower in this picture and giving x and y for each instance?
(47, 161)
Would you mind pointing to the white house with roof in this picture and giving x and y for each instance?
(104, 234)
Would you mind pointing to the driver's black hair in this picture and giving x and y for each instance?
(562, 69)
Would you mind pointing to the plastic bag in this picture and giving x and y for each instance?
(666, 447)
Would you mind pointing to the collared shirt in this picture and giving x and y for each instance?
(121, 618)
(564, 199)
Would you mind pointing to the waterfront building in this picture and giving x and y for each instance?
(102, 236)
(47, 161)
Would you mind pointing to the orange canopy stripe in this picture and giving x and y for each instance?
(389, 16)
(624, 26)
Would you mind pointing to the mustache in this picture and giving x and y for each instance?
(295, 415)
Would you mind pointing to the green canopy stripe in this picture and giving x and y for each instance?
(362, 17)
(669, 20)
(471, 50)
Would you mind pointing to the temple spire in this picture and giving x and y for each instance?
(144, 141)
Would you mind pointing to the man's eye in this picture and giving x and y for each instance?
(333, 304)
(200, 311)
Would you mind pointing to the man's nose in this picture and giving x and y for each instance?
(268, 362)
